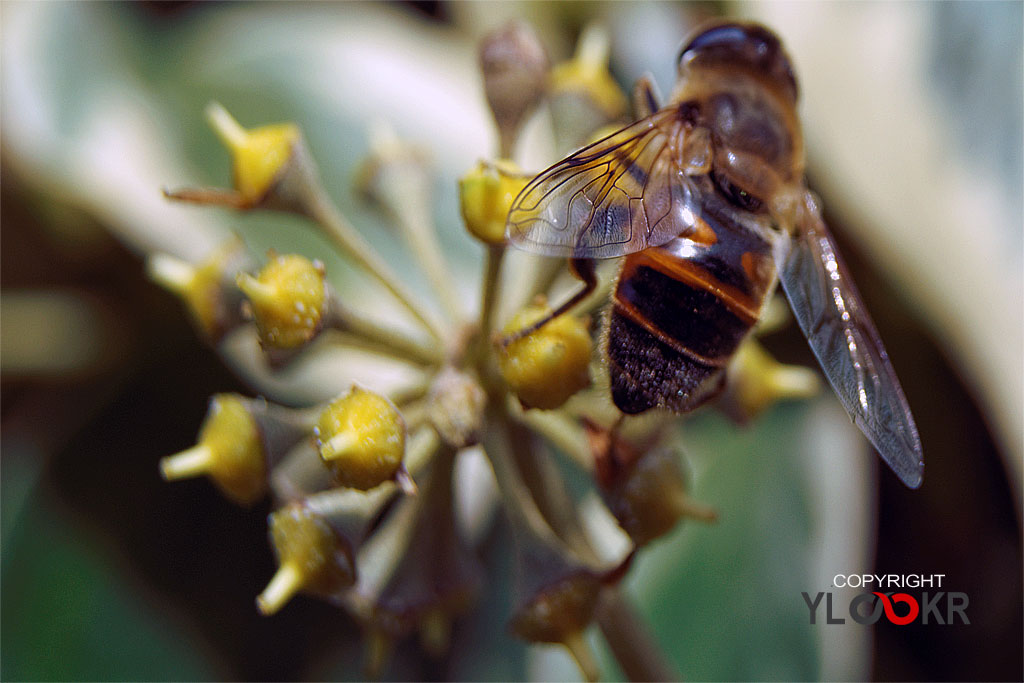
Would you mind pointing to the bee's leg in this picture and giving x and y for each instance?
(646, 98)
(585, 271)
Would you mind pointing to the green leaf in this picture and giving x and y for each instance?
(69, 612)
(724, 599)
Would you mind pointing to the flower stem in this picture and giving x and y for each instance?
(548, 271)
(383, 338)
(560, 430)
(382, 553)
(630, 640)
(518, 499)
(421, 236)
(547, 488)
(411, 392)
(323, 211)
(491, 289)
(301, 473)
(478, 351)
(415, 414)
(396, 176)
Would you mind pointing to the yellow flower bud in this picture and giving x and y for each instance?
(229, 451)
(310, 557)
(258, 156)
(595, 83)
(288, 299)
(485, 195)
(757, 381)
(603, 132)
(551, 364)
(361, 437)
(583, 94)
(202, 286)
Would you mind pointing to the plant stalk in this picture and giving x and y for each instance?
(323, 211)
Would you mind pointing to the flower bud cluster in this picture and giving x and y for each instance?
(364, 485)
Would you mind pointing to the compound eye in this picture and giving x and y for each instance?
(721, 39)
(740, 44)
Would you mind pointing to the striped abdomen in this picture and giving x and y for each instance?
(678, 314)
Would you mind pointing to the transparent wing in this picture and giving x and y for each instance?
(846, 343)
(622, 194)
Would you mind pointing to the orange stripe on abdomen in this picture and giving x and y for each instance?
(681, 309)
(693, 273)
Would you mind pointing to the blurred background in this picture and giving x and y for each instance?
(913, 121)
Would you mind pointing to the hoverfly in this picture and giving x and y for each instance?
(706, 200)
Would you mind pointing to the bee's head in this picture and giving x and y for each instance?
(741, 45)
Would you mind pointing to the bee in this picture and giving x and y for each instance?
(706, 200)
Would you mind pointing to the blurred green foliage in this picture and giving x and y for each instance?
(71, 613)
